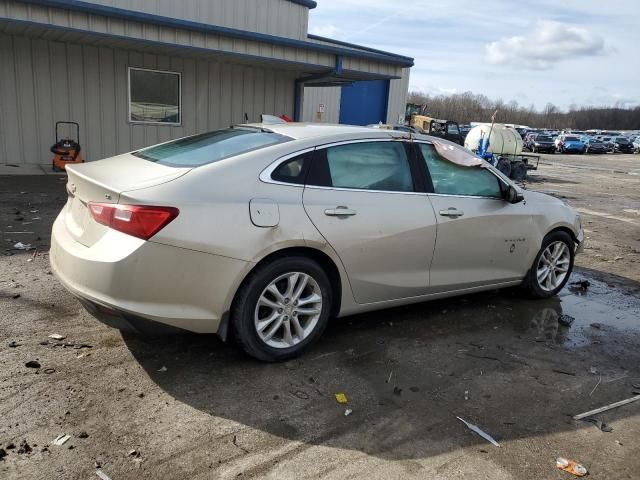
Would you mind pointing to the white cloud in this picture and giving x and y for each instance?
(548, 43)
(325, 30)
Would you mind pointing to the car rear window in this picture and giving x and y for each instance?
(210, 147)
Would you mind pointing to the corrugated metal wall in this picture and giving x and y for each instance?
(120, 28)
(398, 91)
(329, 97)
(275, 17)
(43, 81)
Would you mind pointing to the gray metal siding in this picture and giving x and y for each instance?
(43, 81)
(69, 19)
(275, 17)
(314, 96)
(398, 91)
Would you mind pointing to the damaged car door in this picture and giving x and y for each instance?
(482, 239)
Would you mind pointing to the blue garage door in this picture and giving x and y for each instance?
(363, 103)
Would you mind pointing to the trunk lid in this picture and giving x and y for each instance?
(103, 181)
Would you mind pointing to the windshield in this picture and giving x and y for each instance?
(572, 139)
(622, 140)
(210, 147)
(543, 138)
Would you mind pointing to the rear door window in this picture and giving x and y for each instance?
(380, 166)
(210, 147)
(449, 178)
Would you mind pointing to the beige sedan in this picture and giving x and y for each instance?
(270, 230)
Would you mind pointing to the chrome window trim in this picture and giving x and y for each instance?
(265, 175)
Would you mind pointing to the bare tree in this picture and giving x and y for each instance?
(468, 107)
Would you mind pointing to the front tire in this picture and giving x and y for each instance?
(282, 308)
(552, 266)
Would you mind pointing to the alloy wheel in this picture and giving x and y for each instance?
(553, 266)
(288, 310)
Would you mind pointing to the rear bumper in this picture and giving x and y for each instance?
(123, 280)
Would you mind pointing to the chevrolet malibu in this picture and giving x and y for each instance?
(264, 232)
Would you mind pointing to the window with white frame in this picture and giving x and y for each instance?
(154, 96)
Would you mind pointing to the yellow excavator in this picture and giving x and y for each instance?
(415, 116)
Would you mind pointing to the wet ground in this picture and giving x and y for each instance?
(192, 407)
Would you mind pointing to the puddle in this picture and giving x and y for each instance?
(597, 310)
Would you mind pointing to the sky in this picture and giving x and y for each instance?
(567, 52)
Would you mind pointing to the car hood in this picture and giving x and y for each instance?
(542, 198)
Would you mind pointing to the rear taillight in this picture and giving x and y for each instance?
(138, 220)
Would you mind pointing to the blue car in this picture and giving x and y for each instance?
(571, 144)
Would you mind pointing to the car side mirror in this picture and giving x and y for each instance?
(512, 195)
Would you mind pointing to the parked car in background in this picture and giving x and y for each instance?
(622, 145)
(570, 144)
(608, 143)
(267, 231)
(636, 144)
(595, 146)
(542, 144)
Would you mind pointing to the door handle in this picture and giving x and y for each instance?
(339, 212)
(451, 212)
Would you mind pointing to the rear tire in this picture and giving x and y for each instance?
(267, 315)
(552, 266)
(519, 171)
(504, 166)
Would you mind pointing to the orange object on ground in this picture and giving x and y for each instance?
(66, 150)
(570, 466)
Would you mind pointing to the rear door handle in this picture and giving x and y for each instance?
(340, 212)
(452, 212)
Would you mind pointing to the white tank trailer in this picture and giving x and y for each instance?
(506, 145)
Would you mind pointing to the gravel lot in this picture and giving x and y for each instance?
(192, 407)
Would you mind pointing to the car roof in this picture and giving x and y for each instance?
(301, 131)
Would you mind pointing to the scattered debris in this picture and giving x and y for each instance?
(301, 395)
(341, 398)
(597, 326)
(3, 453)
(134, 453)
(397, 391)
(83, 435)
(390, 375)
(24, 448)
(15, 296)
(566, 320)
(14, 344)
(57, 336)
(564, 372)
(414, 389)
(606, 407)
(594, 388)
(162, 369)
(11, 446)
(61, 439)
(476, 429)
(102, 475)
(235, 442)
(348, 412)
(32, 364)
(571, 467)
(582, 284)
(49, 371)
(22, 246)
(593, 370)
(466, 394)
(600, 425)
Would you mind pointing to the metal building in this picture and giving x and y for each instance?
(137, 72)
